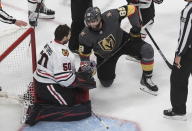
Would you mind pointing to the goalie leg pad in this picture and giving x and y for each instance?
(59, 113)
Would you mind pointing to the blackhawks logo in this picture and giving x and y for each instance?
(65, 52)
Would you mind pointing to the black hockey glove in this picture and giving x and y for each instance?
(84, 80)
(158, 1)
(135, 34)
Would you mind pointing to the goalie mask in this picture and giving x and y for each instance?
(92, 18)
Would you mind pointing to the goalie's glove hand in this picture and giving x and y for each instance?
(84, 80)
(135, 34)
(158, 1)
(88, 66)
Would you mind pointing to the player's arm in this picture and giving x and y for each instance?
(6, 18)
(85, 47)
(132, 13)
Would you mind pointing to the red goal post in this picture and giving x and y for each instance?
(30, 32)
(17, 61)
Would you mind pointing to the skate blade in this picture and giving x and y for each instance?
(43, 16)
(180, 118)
(149, 91)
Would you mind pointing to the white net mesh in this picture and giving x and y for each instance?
(16, 68)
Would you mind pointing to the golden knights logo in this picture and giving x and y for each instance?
(65, 52)
(108, 43)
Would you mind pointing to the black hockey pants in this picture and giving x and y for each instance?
(179, 83)
(78, 8)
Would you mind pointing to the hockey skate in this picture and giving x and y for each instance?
(132, 58)
(148, 86)
(45, 13)
(170, 114)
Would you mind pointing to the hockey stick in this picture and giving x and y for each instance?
(159, 50)
(104, 124)
(19, 99)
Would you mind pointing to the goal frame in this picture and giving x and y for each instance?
(28, 32)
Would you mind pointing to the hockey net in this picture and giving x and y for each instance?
(17, 64)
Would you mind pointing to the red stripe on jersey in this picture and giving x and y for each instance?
(60, 77)
(44, 74)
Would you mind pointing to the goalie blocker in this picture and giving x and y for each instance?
(62, 93)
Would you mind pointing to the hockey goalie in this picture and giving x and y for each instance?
(62, 93)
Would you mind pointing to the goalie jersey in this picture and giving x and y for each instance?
(55, 65)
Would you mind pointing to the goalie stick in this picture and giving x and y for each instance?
(102, 122)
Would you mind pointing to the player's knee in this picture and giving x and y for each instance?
(106, 83)
(147, 51)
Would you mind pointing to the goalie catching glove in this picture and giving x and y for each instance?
(84, 76)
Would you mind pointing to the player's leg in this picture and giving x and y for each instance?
(106, 72)
(147, 17)
(53, 98)
(144, 51)
(44, 12)
(78, 8)
(35, 6)
(46, 112)
(55, 94)
(147, 60)
(179, 88)
(32, 14)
